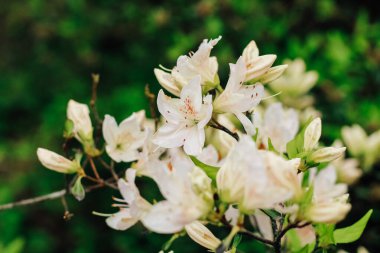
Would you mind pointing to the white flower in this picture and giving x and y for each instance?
(79, 114)
(57, 162)
(259, 67)
(279, 125)
(188, 67)
(202, 235)
(123, 141)
(238, 98)
(331, 211)
(187, 192)
(294, 84)
(312, 134)
(362, 146)
(348, 170)
(329, 204)
(355, 138)
(185, 117)
(256, 179)
(281, 183)
(132, 208)
(295, 81)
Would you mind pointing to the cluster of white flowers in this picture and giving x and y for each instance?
(219, 155)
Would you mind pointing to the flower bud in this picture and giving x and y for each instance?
(273, 73)
(312, 134)
(79, 114)
(202, 235)
(327, 154)
(57, 162)
(258, 66)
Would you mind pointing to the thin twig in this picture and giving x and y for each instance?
(152, 104)
(93, 167)
(104, 164)
(95, 83)
(112, 169)
(214, 124)
(25, 202)
(101, 182)
(263, 240)
(67, 214)
(281, 234)
(53, 195)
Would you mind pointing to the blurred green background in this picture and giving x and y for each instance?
(48, 49)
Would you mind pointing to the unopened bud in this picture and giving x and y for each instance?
(312, 134)
(79, 114)
(327, 154)
(56, 162)
(272, 74)
(202, 235)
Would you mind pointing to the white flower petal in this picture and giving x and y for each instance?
(121, 220)
(165, 218)
(110, 129)
(194, 141)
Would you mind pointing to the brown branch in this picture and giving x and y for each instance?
(281, 234)
(215, 124)
(258, 238)
(152, 104)
(110, 167)
(93, 167)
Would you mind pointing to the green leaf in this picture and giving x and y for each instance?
(309, 248)
(16, 246)
(293, 241)
(295, 146)
(353, 232)
(77, 190)
(273, 214)
(307, 198)
(325, 233)
(271, 147)
(254, 138)
(210, 171)
(236, 241)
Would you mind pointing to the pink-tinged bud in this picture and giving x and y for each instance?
(56, 162)
(202, 235)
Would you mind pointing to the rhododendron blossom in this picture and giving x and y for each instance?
(210, 162)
